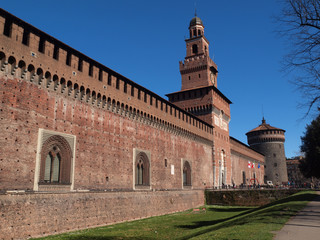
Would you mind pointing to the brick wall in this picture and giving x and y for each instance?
(31, 215)
(241, 155)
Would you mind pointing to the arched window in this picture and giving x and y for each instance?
(195, 48)
(142, 170)
(186, 174)
(56, 158)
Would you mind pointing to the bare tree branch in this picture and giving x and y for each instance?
(300, 24)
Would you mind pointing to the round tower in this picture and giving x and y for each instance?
(269, 141)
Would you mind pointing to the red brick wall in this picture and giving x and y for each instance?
(31, 215)
(241, 155)
(104, 141)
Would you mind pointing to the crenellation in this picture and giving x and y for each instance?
(50, 49)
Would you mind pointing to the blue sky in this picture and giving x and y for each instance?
(144, 41)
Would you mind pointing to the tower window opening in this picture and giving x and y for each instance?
(7, 28)
(139, 94)
(90, 70)
(109, 79)
(117, 83)
(189, 78)
(25, 37)
(199, 32)
(41, 45)
(68, 60)
(100, 75)
(195, 48)
(55, 52)
(194, 32)
(125, 88)
(199, 76)
(80, 64)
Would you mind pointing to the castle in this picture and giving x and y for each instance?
(84, 146)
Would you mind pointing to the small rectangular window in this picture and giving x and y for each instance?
(7, 27)
(145, 97)
(132, 91)
(100, 75)
(151, 100)
(117, 83)
(56, 52)
(139, 94)
(80, 65)
(42, 43)
(68, 60)
(25, 37)
(90, 70)
(109, 79)
(125, 88)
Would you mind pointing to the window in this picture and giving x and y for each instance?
(195, 48)
(100, 75)
(41, 45)
(7, 28)
(142, 177)
(186, 174)
(275, 164)
(117, 83)
(80, 64)
(56, 156)
(90, 70)
(68, 60)
(125, 88)
(139, 94)
(56, 52)
(109, 79)
(25, 37)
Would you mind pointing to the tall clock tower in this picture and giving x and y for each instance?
(200, 96)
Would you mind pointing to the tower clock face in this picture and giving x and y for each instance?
(212, 78)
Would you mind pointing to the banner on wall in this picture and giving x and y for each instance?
(249, 164)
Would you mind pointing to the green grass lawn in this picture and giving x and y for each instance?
(217, 222)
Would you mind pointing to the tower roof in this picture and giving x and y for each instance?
(195, 21)
(264, 126)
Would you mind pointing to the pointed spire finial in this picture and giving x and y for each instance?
(195, 8)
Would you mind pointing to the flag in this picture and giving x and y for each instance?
(249, 164)
(258, 165)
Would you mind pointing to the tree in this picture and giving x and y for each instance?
(310, 167)
(300, 23)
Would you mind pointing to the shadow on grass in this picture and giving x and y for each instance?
(268, 212)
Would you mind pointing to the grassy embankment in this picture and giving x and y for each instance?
(217, 222)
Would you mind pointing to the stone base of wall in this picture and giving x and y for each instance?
(25, 215)
(246, 197)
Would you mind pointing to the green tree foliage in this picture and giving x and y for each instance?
(310, 167)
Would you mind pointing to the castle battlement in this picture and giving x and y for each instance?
(34, 56)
